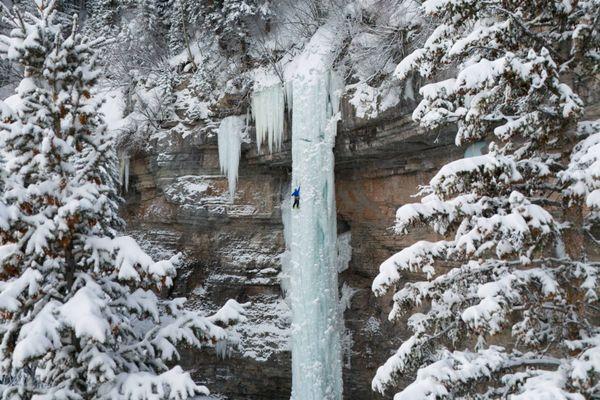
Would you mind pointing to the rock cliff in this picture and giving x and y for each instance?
(178, 201)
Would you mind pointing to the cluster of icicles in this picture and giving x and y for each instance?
(268, 106)
(268, 112)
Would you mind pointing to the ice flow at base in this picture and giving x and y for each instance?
(311, 270)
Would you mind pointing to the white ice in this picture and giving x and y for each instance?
(230, 136)
(312, 270)
(310, 266)
(268, 111)
(124, 161)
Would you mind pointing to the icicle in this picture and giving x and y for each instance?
(289, 96)
(124, 172)
(409, 92)
(268, 108)
(222, 349)
(476, 149)
(229, 137)
(344, 251)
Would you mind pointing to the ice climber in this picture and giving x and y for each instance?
(296, 196)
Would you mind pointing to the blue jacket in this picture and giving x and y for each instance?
(296, 192)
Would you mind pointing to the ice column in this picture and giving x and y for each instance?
(230, 135)
(312, 269)
(268, 111)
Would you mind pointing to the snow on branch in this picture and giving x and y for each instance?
(172, 384)
(432, 208)
(471, 99)
(130, 260)
(470, 174)
(583, 172)
(496, 289)
(456, 371)
(232, 312)
(418, 257)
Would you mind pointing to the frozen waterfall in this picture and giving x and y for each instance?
(312, 286)
(230, 133)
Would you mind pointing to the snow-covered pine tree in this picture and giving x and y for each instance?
(150, 16)
(65, 9)
(104, 13)
(79, 317)
(229, 17)
(509, 307)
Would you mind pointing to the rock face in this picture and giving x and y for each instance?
(178, 201)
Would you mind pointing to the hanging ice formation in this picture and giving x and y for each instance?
(124, 172)
(312, 270)
(268, 107)
(230, 135)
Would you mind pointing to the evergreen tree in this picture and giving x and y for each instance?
(79, 317)
(65, 9)
(104, 11)
(150, 16)
(509, 307)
